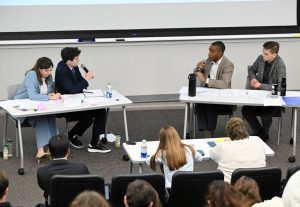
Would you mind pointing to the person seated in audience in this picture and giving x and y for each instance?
(239, 151)
(250, 190)
(173, 154)
(141, 194)
(89, 199)
(59, 150)
(4, 190)
(38, 85)
(222, 194)
(291, 193)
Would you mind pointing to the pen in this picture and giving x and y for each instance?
(88, 92)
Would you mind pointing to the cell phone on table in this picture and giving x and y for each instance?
(211, 143)
(201, 152)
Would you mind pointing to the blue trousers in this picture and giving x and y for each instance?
(45, 127)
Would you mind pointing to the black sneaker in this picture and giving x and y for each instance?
(75, 142)
(98, 148)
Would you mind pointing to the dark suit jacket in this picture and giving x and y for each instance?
(58, 167)
(278, 70)
(224, 74)
(66, 83)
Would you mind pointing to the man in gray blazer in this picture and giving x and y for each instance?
(267, 69)
(215, 72)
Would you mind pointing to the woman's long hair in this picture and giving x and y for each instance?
(42, 63)
(171, 149)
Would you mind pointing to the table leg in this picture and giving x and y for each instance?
(292, 158)
(125, 124)
(131, 167)
(193, 121)
(185, 120)
(21, 169)
(105, 134)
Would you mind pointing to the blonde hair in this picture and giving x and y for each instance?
(236, 129)
(89, 199)
(171, 149)
(249, 188)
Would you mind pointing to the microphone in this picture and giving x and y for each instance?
(84, 68)
(198, 69)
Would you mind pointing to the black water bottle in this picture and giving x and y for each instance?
(283, 87)
(192, 84)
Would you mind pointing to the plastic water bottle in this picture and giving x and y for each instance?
(118, 141)
(5, 152)
(9, 146)
(144, 149)
(108, 91)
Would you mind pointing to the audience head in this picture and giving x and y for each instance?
(141, 194)
(59, 146)
(270, 51)
(89, 199)
(70, 55)
(171, 147)
(216, 50)
(3, 187)
(222, 194)
(249, 188)
(43, 68)
(236, 129)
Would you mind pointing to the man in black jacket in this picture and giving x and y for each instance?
(68, 80)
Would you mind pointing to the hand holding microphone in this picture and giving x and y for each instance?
(89, 75)
(200, 66)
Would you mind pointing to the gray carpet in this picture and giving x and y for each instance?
(144, 122)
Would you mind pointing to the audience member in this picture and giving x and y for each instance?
(291, 193)
(239, 151)
(141, 194)
(89, 199)
(215, 72)
(68, 80)
(267, 69)
(38, 85)
(250, 190)
(59, 150)
(222, 194)
(4, 190)
(173, 154)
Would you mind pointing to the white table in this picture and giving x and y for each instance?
(57, 107)
(134, 151)
(239, 97)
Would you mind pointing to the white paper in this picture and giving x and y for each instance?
(272, 101)
(110, 137)
(93, 93)
(95, 100)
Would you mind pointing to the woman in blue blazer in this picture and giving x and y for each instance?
(38, 85)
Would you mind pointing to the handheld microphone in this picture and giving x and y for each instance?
(84, 68)
(198, 69)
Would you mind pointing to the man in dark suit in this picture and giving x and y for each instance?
(267, 69)
(68, 80)
(215, 72)
(59, 150)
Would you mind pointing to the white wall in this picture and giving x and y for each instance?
(146, 68)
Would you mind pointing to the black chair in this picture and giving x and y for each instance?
(290, 171)
(190, 188)
(64, 188)
(267, 178)
(119, 185)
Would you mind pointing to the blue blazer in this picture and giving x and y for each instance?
(66, 82)
(30, 88)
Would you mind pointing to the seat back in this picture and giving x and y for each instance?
(119, 185)
(190, 188)
(64, 188)
(267, 178)
(290, 171)
(12, 90)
